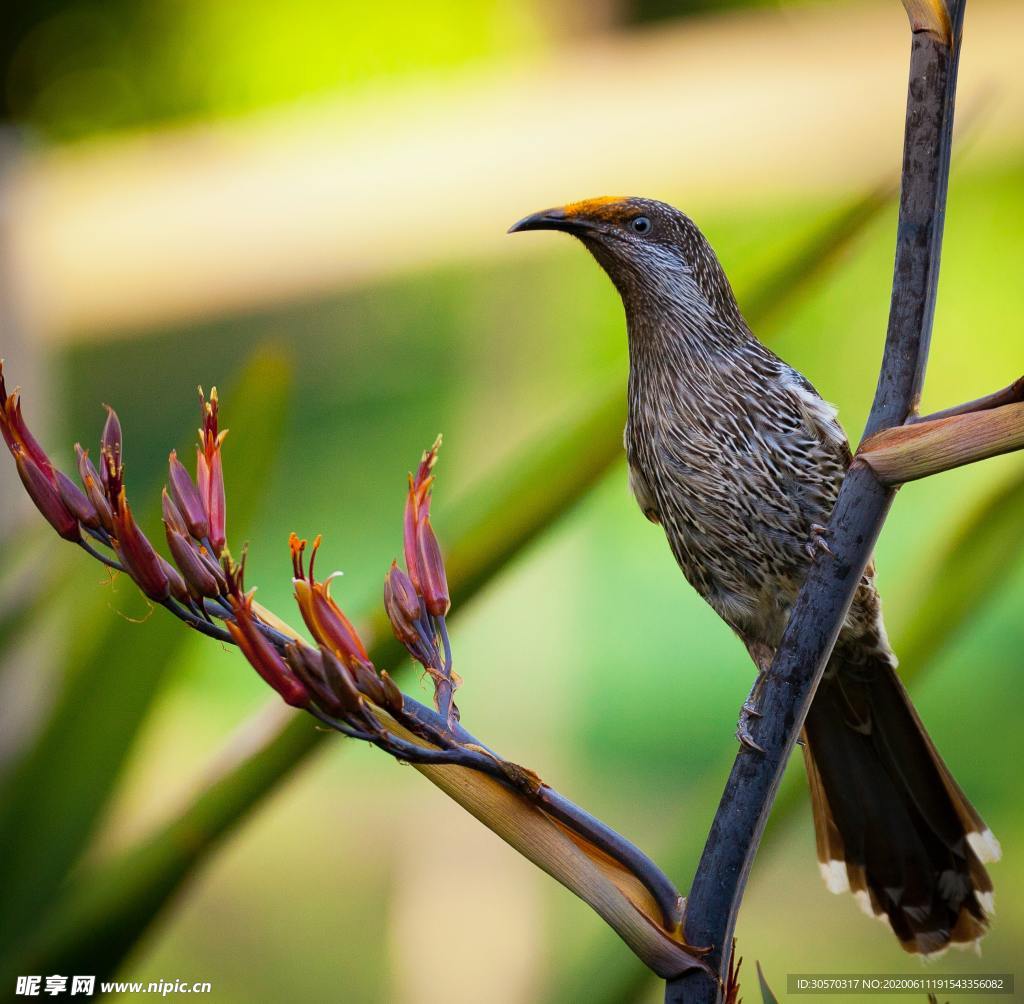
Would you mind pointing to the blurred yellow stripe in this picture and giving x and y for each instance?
(128, 233)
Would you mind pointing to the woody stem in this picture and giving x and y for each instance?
(859, 513)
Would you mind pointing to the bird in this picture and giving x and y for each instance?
(739, 459)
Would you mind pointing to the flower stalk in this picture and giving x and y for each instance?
(917, 450)
(333, 678)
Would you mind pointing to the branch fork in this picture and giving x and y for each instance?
(895, 449)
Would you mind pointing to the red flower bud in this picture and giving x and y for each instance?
(15, 432)
(137, 555)
(217, 503)
(193, 567)
(368, 681)
(417, 507)
(433, 580)
(326, 623)
(110, 440)
(175, 583)
(393, 698)
(187, 499)
(77, 502)
(213, 567)
(111, 476)
(210, 471)
(171, 514)
(342, 687)
(91, 482)
(46, 496)
(402, 605)
(308, 666)
(263, 656)
(410, 545)
(331, 683)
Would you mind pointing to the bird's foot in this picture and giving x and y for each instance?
(748, 713)
(818, 544)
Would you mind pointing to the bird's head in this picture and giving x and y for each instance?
(650, 250)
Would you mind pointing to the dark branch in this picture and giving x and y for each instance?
(197, 623)
(102, 558)
(854, 527)
(931, 94)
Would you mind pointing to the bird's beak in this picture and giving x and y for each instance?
(554, 219)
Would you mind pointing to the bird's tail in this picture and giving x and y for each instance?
(892, 825)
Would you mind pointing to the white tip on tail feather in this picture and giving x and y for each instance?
(960, 946)
(985, 845)
(988, 902)
(863, 900)
(834, 874)
(837, 880)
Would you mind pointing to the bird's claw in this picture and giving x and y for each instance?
(746, 739)
(818, 544)
(747, 713)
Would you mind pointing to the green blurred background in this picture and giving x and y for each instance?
(177, 211)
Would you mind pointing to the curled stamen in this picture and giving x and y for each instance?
(317, 540)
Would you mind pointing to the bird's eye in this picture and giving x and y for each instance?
(640, 225)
